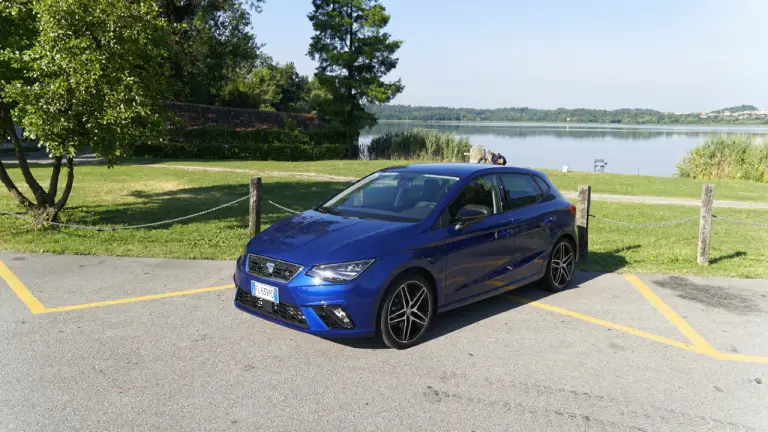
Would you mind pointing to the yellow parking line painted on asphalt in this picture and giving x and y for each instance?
(136, 299)
(26, 296)
(608, 324)
(694, 337)
(741, 358)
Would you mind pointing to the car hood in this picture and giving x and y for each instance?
(319, 238)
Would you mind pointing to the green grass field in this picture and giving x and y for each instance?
(134, 194)
(601, 183)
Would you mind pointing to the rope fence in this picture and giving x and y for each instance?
(582, 218)
(146, 225)
(283, 208)
(741, 222)
(127, 227)
(705, 219)
(679, 221)
(645, 225)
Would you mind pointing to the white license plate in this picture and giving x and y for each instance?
(265, 292)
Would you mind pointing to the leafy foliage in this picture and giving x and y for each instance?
(272, 87)
(419, 144)
(17, 32)
(354, 54)
(81, 72)
(212, 45)
(96, 75)
(560, 115)
(732, 158)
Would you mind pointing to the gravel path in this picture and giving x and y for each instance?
(567, 194)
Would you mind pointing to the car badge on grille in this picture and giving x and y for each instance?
(270, 267)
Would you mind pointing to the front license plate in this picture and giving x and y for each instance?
(265, 292)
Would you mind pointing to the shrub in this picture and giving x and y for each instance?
(289, 144)
(419, 144)
(726, 157)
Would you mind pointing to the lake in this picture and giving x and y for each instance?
(650, 150)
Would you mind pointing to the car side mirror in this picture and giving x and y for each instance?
(471, 213)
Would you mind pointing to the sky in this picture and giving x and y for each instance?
(670, 55)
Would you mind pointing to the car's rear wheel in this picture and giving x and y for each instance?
(407, 311)
(560, 267)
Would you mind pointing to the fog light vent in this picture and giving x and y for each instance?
(334, 316)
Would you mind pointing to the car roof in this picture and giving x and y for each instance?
(460, 170)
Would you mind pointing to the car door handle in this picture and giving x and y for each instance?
(546, 223)
(504, 233)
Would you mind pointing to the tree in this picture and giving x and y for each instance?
(85, 72)
(213, 46)
(293, 94)
(354, 54)
(271, 87)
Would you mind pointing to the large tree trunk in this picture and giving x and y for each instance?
(34, 186)
(15, 192)
(67, 188)
(54, 185)
(5, 113)
(44, 208)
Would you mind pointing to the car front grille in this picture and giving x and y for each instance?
(284, 312)
(273, 269)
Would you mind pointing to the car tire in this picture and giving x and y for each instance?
(560, 267)
(407, 310)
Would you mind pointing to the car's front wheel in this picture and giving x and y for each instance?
(407, 311)
(560, 266)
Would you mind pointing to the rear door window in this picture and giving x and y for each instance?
(478, 193)
(518, 190)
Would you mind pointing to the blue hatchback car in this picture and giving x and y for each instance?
(387, 254)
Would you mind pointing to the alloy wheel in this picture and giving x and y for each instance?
(409, 312)
(562, 264)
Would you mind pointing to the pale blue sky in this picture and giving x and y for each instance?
(673, 55)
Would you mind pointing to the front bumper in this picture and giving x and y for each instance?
(300, 297)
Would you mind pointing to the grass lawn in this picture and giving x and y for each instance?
(605, 183)
(133, 194)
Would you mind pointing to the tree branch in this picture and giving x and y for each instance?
(54, 185)
(68, 187)
(25, 202)
(8, 182)
(37, 190)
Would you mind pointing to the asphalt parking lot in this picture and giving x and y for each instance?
(91, 343)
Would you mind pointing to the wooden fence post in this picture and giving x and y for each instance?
(705, 224)
(583, 201)
(254, 222)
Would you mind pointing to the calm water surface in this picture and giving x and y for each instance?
(650, 150)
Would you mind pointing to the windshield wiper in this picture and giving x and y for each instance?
(327, 211)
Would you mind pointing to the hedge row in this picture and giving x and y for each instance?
(259, 144)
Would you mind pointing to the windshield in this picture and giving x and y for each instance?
(391, 196)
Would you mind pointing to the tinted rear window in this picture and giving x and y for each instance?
(542, 184)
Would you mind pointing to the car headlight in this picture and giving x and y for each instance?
(341, 272)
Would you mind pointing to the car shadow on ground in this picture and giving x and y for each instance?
(448, 322)
(608, 261)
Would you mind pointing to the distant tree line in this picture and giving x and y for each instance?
(560, 115)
